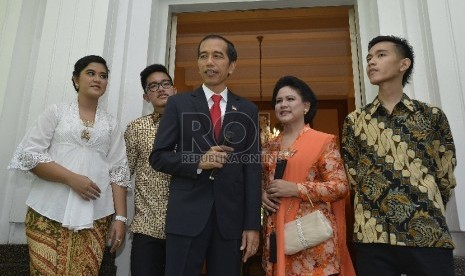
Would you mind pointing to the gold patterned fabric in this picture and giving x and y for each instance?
(401, 169)
(56, 250)
(151, 187)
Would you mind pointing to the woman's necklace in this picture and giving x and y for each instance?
(85, 134)
(286, 151)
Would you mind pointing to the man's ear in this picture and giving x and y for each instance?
(405, 64)
(146, 97)
(231, 68)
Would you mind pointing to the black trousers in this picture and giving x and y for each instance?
(185, 255)
(389, 260)
(147, 256)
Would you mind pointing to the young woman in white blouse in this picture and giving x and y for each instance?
(77, 202)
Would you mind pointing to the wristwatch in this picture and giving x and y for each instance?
(121, 218)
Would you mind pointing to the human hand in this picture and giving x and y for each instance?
(270, 204)
(250, 242)
(282, 188)
(84, 187)
(215, 157)
(117, 233)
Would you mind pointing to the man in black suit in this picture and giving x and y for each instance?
(214, 202)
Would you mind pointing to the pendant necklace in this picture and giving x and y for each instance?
(85, 134)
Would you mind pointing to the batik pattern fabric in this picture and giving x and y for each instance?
(56, 250)
(401, 169)
(151, 187)
(324, 182)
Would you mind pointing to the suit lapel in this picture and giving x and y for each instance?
(201, 106)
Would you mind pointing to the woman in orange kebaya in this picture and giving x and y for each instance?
(314, 172)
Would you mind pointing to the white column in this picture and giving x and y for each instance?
(366, 13)
(10, 14)
(448, 39)
(128, 48)
(21, 25)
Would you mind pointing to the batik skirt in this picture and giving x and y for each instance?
(56, 250)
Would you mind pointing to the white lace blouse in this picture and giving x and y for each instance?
(56, 136)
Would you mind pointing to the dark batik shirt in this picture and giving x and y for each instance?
(401, 172)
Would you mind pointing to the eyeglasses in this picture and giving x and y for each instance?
(154, 86)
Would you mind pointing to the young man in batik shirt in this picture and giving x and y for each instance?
(400, 157)
(151, 187)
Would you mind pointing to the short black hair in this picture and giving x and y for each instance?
(150, 70)
(304, 91)
(403, 48)
(84, 62)
(231, 50)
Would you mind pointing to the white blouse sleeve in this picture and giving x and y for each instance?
(33, 149)
(119, 170)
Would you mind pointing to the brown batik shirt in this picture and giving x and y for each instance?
(151, 187)
(401, 171)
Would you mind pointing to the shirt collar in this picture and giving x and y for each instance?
(209, 93)
(156, 115)
(405, 101)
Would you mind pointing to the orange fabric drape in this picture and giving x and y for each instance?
(312, 143)
(339, 211)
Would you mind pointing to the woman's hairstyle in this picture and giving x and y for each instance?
(84, 62)
(302, 89)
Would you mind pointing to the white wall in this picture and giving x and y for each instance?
(10, 12)
(448, 40)
(40, 41)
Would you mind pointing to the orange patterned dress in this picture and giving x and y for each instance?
(315, 165)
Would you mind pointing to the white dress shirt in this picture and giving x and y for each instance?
(224, 99)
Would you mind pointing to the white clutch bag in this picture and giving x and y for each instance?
(306, 231)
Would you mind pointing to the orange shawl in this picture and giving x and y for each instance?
(296, 171)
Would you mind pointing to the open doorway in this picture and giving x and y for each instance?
(314, 44)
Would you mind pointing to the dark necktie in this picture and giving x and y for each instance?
(215, 113)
